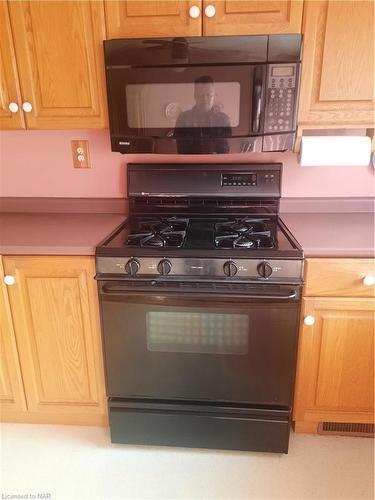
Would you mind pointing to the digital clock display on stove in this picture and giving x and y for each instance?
(239, 179)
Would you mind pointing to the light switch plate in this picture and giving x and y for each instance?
(80, 152)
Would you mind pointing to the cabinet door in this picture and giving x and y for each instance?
(60, 62)
(12, 398)
(156, 18)
(55, 313)
(337, 82)
(335, 372)
(246, 17)
(9, 86)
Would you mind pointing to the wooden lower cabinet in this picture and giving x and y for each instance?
(55, 315)
(335, 369)
(12, 396)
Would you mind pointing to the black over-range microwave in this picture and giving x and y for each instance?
(219, 94)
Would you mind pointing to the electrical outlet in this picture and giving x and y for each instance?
(80, 152)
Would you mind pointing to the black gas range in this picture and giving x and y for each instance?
(200, 293)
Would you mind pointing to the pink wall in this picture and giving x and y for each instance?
(39, 164)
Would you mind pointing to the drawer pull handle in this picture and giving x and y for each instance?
(369, 280)
(309, 320)
(9, 279)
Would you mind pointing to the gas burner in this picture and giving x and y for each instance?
(156, 232)
(245, 240)
(156, 225)
(173, 239)
(243, 233)
(240, 226)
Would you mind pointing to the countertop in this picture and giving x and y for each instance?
(54, 233)
(333, 234)
(319, 234)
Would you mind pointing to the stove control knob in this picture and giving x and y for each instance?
(132, 267)
(164, 267)
(230, 269)
(264, 269)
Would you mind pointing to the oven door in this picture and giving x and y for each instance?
(187, 107)
(200, 346)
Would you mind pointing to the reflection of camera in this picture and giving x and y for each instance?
(172, 110)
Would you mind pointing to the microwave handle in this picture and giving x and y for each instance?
(257, 98)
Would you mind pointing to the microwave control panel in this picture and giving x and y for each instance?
(281, 97)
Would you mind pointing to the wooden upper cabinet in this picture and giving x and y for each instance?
(59, 51)
(335, 371)
(9, 86)
(249, 17)
(337, 83)
(56, 320)
(157, 18)
(12, 397)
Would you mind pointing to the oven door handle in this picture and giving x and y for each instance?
(193, 295)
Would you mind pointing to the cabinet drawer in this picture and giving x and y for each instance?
(339, 277)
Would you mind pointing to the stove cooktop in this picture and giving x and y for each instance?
(179, 235)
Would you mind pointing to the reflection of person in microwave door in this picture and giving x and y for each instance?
(204, 120)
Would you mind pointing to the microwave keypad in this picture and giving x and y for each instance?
(280, 99)
(280, 109)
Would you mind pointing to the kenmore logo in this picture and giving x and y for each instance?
(124, 143)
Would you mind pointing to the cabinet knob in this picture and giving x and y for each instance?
(13, 107)
(9, 279)
(309, 320)
(27, 107)
(194, 11)
(210, 11)
(369, 280)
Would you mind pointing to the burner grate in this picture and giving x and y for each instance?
(170, 232)
(243, 233)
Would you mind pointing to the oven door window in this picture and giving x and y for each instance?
(182, 102)
(197, 332)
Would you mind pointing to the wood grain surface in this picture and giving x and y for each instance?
(246, 17)
(337, 81)
(157, 18)
(59, 50)
(9, 84)
(55, 313)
